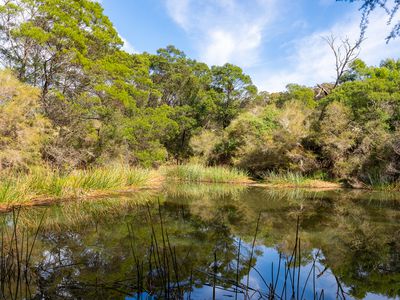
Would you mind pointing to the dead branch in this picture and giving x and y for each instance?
(345, 53)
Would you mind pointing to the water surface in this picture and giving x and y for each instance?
(196, 241)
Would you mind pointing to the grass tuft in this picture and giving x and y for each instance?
(378, 182)
(45, 182)
(199, 173)
(296, 179)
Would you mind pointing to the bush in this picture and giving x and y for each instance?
(23, 130)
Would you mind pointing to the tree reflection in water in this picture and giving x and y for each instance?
(186, 243)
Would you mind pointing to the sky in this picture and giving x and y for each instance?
(276, 42)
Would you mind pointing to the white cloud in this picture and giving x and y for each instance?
(179, 10)
(226, 46)
(236, 31)
(225, 30)
(312, 61)
(128, 47)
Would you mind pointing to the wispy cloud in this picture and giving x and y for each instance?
(237, 31)
(179, 11)
(225, 30)
(312, 61)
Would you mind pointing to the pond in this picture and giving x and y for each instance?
(205, 242)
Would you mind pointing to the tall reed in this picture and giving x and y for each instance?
(159, 271)
(297, 179)
(378, 182)
(199, 173)
(17, 272)
(46, 182)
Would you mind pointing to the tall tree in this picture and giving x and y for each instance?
(183, 84)
(71, 51)
(235, 89)
(53, 43)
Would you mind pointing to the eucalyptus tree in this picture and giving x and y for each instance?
(184, 85)
(235, 90)
(88, 85)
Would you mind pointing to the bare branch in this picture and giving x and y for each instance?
(345, 52)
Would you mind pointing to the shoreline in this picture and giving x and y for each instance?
(158, 184)
(48, 200)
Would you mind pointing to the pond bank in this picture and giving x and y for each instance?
(155, 185)
(44, 186)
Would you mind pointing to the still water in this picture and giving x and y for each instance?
(205, 242)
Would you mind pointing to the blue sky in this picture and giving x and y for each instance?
(276, 42)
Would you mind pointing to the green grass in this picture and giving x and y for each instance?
(10, 190)
(199, 173)
(43, 182)
(380, 183)
(295, 179)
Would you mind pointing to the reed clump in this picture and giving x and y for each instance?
(200, 173)
(49, 183)
(296, 179)
(381, 183)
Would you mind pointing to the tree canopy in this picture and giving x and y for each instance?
(83, 101)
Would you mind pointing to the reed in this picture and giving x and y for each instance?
(168, 268)
(10, 190)
(199, 173)
(158, 270)
(296, 179)
(49, 183)
(378, 182)
(17, 272)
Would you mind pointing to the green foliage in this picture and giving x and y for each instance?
(348, 135)
(297, 92)
(144, 133)
(358, 124)
(89, 87)
(268, 138)
(246, 132)
(106, 104)
(80, 102)
(235, 90)
(203, 143)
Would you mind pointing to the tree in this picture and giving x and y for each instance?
(336, 134)
(143, 134)
(301, 93)
(53, 43)
(235, 90)
(390, 7)
(184, 85)
(360, 118)
(345, 54)
(71, 51)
